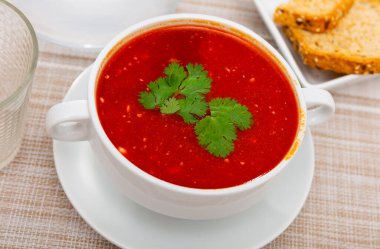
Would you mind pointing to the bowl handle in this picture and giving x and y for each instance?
(320, 105)
(69, 121)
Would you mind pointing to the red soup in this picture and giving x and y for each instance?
(164, 145)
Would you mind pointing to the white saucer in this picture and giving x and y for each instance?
(88, 24)
(131, 226)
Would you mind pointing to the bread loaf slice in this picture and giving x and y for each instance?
(312, 15)
(352, 47)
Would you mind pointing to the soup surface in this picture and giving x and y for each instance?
(164, 145)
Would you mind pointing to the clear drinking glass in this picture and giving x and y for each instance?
(18, 59)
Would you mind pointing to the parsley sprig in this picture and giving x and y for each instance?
(179, 91)
(183, 92)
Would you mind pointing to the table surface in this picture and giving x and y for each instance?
(342, 210)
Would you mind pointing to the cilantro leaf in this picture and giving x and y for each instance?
(175, 74)
(192, 85)
(196, 70)
(161, 91)
(192, 106)
(221, 147)
(148, 100)
(216, 134)
(188, 117)
(197, 83)
(170, 106)
(182, 92)
(238, 114)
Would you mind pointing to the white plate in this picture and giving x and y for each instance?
(308, 77)
(88, 24)
(131, 226)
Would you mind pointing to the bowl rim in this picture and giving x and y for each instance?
(157, 22)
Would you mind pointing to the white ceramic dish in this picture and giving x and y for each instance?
(88, 24)
(308, 77)
(131, 226)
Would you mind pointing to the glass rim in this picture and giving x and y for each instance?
(32, 66)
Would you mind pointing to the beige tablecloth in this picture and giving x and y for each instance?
(342, 210)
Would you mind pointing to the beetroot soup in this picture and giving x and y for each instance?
(164, 145)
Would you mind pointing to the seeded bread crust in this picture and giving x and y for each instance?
(288, 14)
(352, 47)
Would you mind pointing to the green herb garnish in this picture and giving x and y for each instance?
(182, 92)
(217, 131)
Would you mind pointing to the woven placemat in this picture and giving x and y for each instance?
(342, 210)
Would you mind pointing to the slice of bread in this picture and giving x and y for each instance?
(352, 47)
(312, 15)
